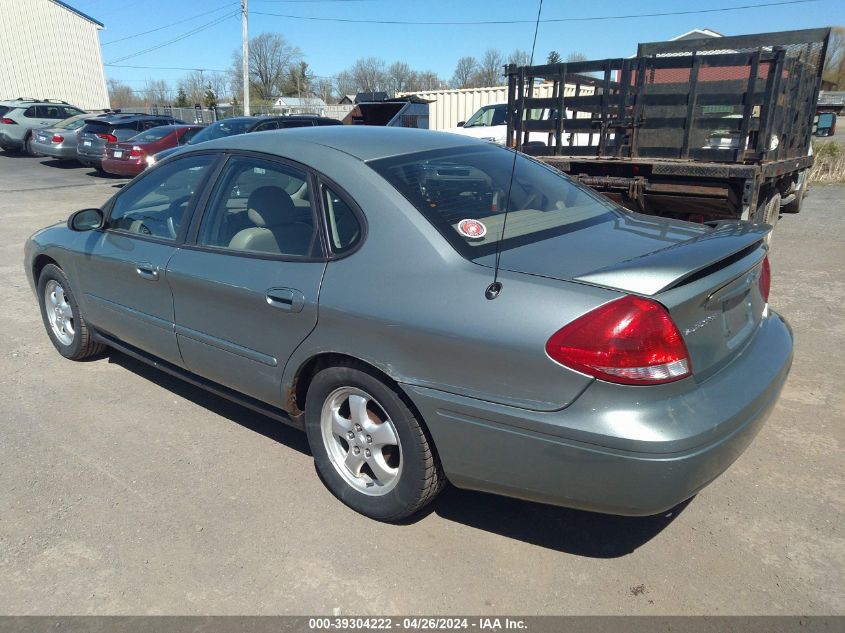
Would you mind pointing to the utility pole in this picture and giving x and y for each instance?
(245, 37)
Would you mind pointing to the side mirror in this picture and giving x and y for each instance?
(85, 220)
(461, 123)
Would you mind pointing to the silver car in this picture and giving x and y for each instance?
(431, 308)
(21, 118)
(60, 140)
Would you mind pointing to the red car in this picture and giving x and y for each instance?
(129, 158)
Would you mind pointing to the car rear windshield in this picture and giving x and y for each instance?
(96, 127)
(153, 134)
(463, 192)
(73, 123)
(221, 129)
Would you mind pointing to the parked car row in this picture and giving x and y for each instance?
(119, 143)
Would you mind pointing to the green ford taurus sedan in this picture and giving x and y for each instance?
(431, 308)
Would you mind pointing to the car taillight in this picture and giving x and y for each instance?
(136, 152)
(108, 138)
(57, 138)
(8, 121)
(631, 341)
(765, 279)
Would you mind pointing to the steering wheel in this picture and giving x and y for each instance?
(176, 207)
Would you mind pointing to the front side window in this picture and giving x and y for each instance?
(259, 206)
(156, 205)
(464, 191)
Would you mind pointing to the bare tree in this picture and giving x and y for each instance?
(834, 63)
(575, 56)
(554, 58)
(270, 59)
(425, 80)
(464, 72)
(399, 76)
(345, 84)
(369, 74)
(324, 88)
(157, 92)
(194, 86)
(121, 95)
(490, 68)
(519, 57)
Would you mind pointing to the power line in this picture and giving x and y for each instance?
(203, 27)
(210, 70)
(545, 21)
(167, 26)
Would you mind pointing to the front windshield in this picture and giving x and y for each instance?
(488, 115)
(463, 192)
(221, 129)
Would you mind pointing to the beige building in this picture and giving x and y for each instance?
(49, 50)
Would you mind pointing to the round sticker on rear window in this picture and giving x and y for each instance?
(472, 229)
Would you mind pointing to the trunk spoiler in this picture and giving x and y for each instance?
(661, 270)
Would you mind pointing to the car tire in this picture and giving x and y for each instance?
(62, 318)
(370, 449)
(27, 146)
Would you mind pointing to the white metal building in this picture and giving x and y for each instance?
(49, 50)
(449, 107)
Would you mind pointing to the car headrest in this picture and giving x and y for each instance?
(270, 206)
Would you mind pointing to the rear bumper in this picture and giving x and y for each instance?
(93, 159)
(122, 167)
(8, 142)
(55, 151)
(657, 451)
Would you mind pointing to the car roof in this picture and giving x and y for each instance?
(361, 141)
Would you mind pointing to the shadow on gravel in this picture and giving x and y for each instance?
(268, 427)
(561, 529)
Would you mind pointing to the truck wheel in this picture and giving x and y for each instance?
(369, 448)
(768, 213)
(795, 205)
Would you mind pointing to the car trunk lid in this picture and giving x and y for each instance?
(707, 276)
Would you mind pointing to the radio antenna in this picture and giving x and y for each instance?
(495, 288)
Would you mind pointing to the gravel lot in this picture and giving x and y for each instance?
(123, 491)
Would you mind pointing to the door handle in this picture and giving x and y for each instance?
(286, 299)
(147, 271)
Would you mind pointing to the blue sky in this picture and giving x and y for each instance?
(329, 47)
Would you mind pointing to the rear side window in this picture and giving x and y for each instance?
(30, 112)
(464, 193)
(342, 223)
(4, 110)
(68, 112)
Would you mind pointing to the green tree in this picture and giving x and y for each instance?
(181, 98)
(554, 58)
(210, 99)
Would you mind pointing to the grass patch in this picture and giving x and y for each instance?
(828, 163)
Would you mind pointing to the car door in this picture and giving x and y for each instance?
(245, 289)
(122, 275)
